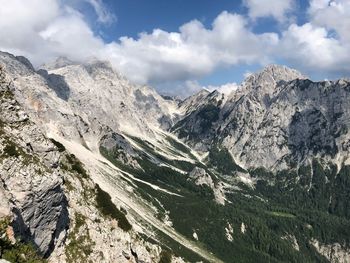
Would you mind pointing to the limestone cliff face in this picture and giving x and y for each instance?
(31, 185)
(305, 120)
(277, 118)
(335, 253)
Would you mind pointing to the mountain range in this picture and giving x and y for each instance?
(96, 169)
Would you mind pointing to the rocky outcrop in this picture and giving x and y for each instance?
(201, 177)
(116, 146)
(201, 115)
(30, 186)
(276, 119)
(335, 253)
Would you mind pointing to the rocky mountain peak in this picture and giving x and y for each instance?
(276, 73)
(60, 62)
(194, 101)
(98, 65)
(16, 65)
(271, 75)
(92, 65)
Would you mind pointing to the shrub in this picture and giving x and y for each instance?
(76, 165)
(11, 149)
(108, 208)
(80, 245)
(165, 256)
(19, 252)
(223, 161)
(59, 145)
(22, 253)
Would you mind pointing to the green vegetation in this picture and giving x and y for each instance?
(222, 160)
(79, 245)
(150, 149)
(2, 126)
(203, 118)
(208, 115)
(165, 256)
(108, 208)
(170, 179)
(20, 252)
(180, 147)
(281, 214)
(266, 222)
(59, 145)
(319, 198)
(76, 166)
(10, 150)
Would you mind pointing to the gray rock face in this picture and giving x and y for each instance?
(201, 177)
(119, 148)
(30, 190)
(201, 114)
(243, 112)
(335, 253)
(277, 118)
(305, 120)
(60, 62)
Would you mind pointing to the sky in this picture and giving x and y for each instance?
(182, 46)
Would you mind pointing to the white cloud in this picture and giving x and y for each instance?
(170, 59)
(269, 8)
(154, 57)
(42, 32)
(312, 46)
(103, 14)
(70, 35)
(333, 15)
(322, 44)
(225, 88)
(20, 21)
(317, 4)
(194, 51)
(180, 89)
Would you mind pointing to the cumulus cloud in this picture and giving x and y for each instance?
(269, 8)
(173, 60)
(43, 32)
(315, 48)
(183, 89)
(323, 43)
(194, 51)
(333, 15)
(317, 5)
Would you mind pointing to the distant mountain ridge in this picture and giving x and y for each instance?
(262, 123)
